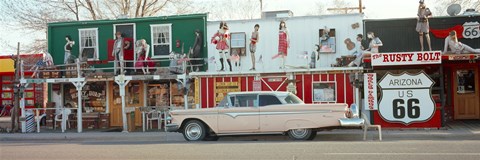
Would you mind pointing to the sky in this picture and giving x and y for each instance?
(375, 9)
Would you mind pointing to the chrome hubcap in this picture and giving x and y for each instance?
(193, 131)
(299, 133)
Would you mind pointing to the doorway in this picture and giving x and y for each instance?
(466, 93)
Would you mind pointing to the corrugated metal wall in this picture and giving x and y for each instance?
(399, 35)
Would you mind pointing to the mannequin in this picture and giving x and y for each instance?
(423, 24)
(358, 52)
(457, 47)
(283, 42)
(253, 44)
(197, 50)
(118, 48)
(221, 40)
(374, 44)
(314, 57)
(68, 49)
(143, 59)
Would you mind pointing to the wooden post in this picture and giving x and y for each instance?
(14, 115)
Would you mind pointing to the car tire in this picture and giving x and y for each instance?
(312, 136)
(194, 130)
(211, 137)
(301, 134)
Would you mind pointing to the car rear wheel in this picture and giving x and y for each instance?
(301, 134)
(194, 130)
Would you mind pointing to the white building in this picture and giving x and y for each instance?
(304, 34)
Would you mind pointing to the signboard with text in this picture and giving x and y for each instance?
(406, 58)
(406, 98)
(370, 91)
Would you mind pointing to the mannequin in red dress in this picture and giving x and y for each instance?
(283, 42)
(221, 40)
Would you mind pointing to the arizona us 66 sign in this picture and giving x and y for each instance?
(406, 98)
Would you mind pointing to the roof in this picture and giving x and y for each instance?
(294, 17)
(260, 92)
(127, 20)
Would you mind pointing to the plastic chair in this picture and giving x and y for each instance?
(152, 116)
(58, 117)
(368, 125)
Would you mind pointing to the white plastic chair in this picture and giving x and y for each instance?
(368, 125)
(152, 116)
(58, 117)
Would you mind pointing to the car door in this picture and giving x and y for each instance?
(241, 115)
(270, 117)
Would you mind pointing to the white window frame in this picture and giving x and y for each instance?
(156, 43)
(80, 43)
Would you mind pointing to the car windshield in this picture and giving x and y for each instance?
(292, 99)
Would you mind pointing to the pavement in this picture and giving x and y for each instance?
(458, 130)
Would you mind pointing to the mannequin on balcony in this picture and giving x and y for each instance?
(68, 50)
(143, 60)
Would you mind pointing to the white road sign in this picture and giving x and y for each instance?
(406, 98)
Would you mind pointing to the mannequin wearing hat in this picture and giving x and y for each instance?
(221, 41)
(423, 24)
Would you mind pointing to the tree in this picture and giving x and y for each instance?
(442, 5)
(222, 10)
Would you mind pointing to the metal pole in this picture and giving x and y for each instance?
(185, 96)
(79, 87)
(22, 98)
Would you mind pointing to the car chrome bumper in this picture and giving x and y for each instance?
(351, 122)
(172, 127)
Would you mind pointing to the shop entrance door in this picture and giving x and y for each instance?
(115, 105)
(466, 94)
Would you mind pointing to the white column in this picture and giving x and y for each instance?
(122, 81)
(79, 83)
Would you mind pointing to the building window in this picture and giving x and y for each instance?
(88, 44)
(161, 40)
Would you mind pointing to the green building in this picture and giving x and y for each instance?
(161, 33)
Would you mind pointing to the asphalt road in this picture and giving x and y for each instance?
(244, 149)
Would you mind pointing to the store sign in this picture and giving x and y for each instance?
(406, 98)
(370, 91)
(406, 58)
(222, 88)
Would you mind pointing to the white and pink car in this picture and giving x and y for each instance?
(245, 113)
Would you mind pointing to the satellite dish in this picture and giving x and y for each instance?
(454, 9)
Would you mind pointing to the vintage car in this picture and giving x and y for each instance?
(246, 113)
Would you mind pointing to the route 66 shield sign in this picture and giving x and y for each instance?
(406, 98)
(471, 30)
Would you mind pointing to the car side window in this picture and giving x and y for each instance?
(265, 100)
(249, 100)
(223, 103)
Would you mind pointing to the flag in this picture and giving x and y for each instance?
(40, 63)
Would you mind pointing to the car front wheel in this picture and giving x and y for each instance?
(302, 134)
(194, 130)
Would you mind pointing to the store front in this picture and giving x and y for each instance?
(35, 95)
(320, 86)
(454, 91)
(462, 72)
